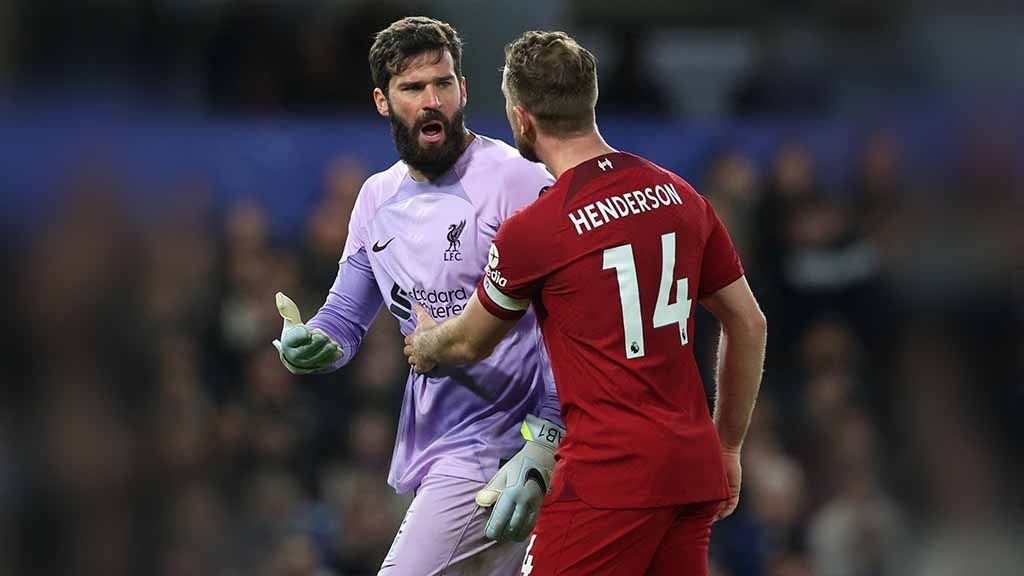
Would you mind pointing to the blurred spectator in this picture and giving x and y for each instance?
(860, 530)
(987, 549)
(829, 373)
(184, 421)
(813, 252)
(732, 185)
(278, 422)
(830, 346)
(182, 255)
(87, 433)
(879, 185)
(767, 530)
(327, 225)
(370, 514)
(255, 272)
(775, 485)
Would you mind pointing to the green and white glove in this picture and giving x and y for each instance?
(516, 500)
(303, 350)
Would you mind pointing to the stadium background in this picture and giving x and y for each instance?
(169, 164)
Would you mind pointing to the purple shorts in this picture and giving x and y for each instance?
(443, 533)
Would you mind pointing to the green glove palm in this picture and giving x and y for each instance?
(303, 350)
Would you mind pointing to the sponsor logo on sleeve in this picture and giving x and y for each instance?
(491, 271)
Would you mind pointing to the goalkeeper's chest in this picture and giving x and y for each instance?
(429, 252)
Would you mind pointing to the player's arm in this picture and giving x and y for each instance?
(469, 337)
(740, 359)
(738, 377)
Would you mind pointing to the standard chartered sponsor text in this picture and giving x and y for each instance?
(442, 303)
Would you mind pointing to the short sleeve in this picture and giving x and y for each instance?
(720, 265)
(515, 268)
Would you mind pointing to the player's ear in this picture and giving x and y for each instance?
(524, 119)
(465, 95)
(381, 101)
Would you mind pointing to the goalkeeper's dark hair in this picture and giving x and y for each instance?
(404, 39)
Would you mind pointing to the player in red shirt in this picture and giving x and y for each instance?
(612, 257)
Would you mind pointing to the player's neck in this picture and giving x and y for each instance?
(564, 153)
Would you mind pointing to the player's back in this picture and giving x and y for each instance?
(628, 248)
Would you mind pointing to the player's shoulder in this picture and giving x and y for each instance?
(383, 185)
(685, 188)
(500, 159)
(687, 193)
(495, 150)
(538, 214)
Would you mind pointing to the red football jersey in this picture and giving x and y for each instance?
(612, 257)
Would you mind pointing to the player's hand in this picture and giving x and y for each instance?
(415, 350)
(516, 511)
(303, 350)
(517, 490)
(734, 475)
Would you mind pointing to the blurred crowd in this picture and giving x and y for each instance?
(158, 432)
(890, 374)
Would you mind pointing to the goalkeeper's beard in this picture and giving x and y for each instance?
(435, 160)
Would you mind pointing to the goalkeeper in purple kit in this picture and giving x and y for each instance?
(420, 233)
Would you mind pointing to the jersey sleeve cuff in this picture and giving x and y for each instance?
(497, 303)
(716, 284)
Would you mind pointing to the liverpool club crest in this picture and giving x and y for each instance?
(452, 254)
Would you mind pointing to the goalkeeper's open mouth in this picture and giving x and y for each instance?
(432, 132)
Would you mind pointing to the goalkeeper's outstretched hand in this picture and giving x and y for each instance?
(303, 350)
(518, 489)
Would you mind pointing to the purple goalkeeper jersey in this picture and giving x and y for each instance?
(427, 242)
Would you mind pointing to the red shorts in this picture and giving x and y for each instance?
(573, 538)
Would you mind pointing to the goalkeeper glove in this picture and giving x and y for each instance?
(303, 350)
(516, 500)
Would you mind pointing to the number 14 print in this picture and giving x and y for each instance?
(621, 259)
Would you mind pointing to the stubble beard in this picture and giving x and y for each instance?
(527, 147)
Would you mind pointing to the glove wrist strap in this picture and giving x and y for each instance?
(542, 432)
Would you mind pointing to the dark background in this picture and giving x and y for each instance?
(168, 165)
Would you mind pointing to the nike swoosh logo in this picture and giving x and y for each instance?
(378, 247)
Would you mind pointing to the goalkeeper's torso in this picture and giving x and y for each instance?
(427, 242)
